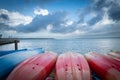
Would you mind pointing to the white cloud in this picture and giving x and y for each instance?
(49, 27)
(70, 35)
(78, 32)
(3, 11)
(15, 18)
(42, 12)
(104, 22)
(83, 24)
(67, 23)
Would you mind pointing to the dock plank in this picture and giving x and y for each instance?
(4, 41)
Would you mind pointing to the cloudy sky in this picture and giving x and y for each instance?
(59, 18)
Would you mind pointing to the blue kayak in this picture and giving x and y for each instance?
(10, 51)
(10, 61)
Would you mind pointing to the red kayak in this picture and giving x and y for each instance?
(105, 67)
(115, 55)
(35, 68)
(72, 66)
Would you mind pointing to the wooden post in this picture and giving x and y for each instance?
(16, 45)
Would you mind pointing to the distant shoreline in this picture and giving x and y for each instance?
(69, 38)
(76, 38)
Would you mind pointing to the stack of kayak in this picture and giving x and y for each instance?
(35, 64)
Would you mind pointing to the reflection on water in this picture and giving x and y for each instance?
(65, 45)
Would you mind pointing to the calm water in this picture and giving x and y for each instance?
(68, 45)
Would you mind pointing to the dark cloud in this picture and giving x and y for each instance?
(113, 7)
(99, 4)
(95, 19)
(100, 8)
(4, 17)
(41, 22)
(58, 20)
(114, 12)
(5, 27)
(93, 8)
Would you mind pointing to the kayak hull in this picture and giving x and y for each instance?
(72, 66)
(38, 67)
(104, 67)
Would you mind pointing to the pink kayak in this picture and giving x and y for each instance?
(109, 59)
(72, 66)
(103, 66)
(35, 68)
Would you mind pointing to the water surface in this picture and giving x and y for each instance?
(69, 45)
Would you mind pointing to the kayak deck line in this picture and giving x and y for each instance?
(10, 51)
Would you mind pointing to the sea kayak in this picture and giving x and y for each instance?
(35, 68)
(72, 66)
(8, 62)
(10, 51)
(104, 67)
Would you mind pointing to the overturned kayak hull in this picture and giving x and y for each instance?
(10, 61)
(103, 66)
(72, 66)
(35, 68)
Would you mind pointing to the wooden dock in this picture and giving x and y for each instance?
(4, 41)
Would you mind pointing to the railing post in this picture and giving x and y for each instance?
(16, 45)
